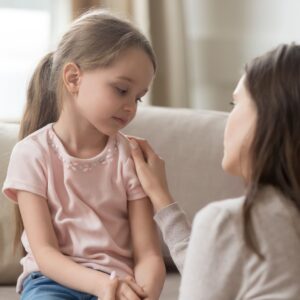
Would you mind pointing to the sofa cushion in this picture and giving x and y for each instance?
(9, 261)
(9, 293)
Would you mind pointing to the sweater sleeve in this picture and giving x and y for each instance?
(176, 231)
(213, 264)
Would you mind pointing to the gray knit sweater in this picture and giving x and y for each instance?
(217, 263)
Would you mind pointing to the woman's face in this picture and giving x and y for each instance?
(239, 132)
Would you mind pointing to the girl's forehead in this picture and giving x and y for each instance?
(134, 68)
(133, 57)
(134, 65)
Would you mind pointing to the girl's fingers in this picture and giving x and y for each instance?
(129, 294)
(112, 289)
(135, 287)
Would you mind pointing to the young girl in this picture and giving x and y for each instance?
(84, 212)
(245, 248)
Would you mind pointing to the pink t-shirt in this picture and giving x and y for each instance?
(87, 199)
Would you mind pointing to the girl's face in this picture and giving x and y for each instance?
(239, 132)
(107, 98)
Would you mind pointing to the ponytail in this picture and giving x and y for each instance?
(41, 109)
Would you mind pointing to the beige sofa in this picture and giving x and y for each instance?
(190, 142)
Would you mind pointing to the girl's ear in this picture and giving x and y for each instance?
(71, 78)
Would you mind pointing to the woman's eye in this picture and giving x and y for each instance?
(139, 100)
(232, 103)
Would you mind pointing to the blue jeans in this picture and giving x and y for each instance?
(39, 287)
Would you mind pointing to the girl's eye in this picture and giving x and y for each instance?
(121, 91)
(232, 103)
(139, 100)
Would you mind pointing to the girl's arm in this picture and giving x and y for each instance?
(52, 263)
(149, 268)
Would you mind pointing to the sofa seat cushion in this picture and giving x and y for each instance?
(9, 261)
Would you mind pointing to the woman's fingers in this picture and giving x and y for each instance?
(144, 145)
(137, 154)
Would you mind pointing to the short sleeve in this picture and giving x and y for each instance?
(213, 264)
(133, 187)
(26, 171)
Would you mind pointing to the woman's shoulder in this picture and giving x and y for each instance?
(224, 218)
(269, 204)
(275, 216)
(224, 209)
(271, 201)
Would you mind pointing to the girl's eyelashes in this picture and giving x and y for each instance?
(232, 103)
(124, 91)
(121, 91)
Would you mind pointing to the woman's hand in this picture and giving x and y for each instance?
(151, 171)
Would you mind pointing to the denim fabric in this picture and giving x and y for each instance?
(39, 287)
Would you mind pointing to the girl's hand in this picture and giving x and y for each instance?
(150, 169)
(123, 289)
(128, 289)
(110, 293)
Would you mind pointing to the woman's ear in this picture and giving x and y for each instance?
(71, 77)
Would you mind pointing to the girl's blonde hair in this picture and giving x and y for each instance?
(94, 40)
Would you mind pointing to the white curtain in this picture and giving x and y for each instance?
(224, 35)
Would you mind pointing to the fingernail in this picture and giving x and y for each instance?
(133, 144)
(112, 275)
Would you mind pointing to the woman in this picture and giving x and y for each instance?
(245, 248)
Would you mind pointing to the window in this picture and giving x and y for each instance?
(27, 33)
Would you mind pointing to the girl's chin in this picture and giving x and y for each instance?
(109, 130)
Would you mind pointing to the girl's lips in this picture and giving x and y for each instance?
(120, 120)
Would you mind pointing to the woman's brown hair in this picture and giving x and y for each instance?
(94, 40)
(273, 81)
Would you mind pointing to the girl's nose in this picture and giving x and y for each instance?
(130, 105)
